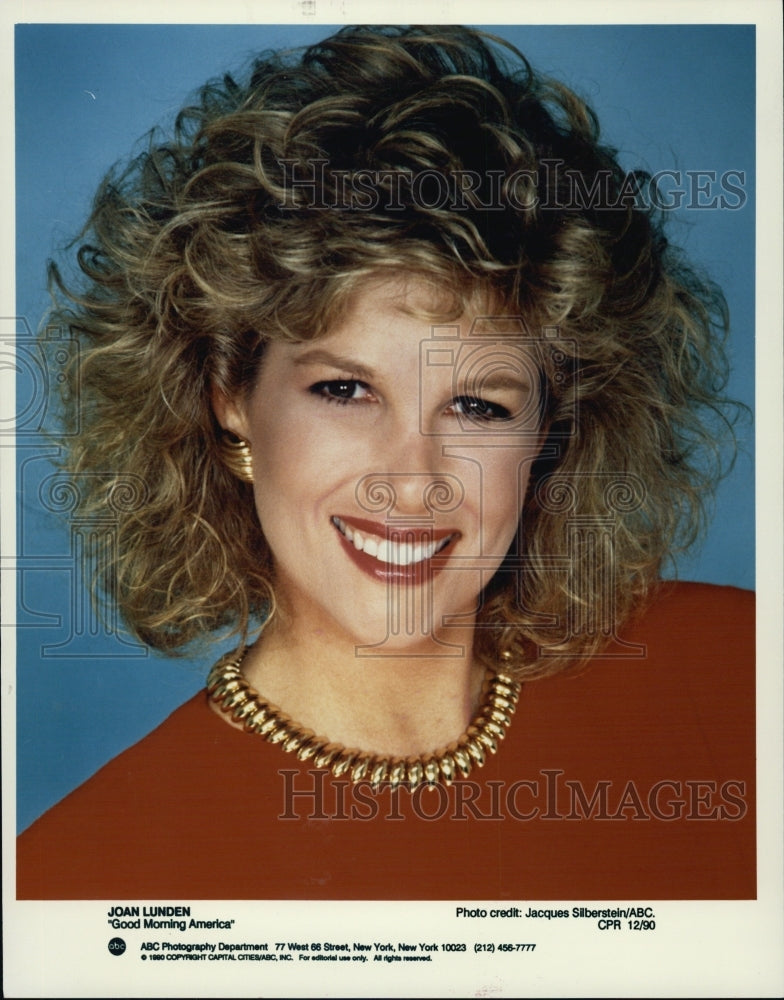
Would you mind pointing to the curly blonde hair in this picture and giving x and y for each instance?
(258, 218)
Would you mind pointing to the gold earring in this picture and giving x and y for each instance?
(235, 452)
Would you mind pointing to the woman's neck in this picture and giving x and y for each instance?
(397, 702)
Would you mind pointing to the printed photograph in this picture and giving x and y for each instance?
(385, 440)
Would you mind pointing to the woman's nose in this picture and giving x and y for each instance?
(412, 484)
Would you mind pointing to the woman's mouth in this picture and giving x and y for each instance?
(400, 553)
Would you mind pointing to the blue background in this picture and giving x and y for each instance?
(668, 97)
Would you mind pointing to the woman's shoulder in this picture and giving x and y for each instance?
(686, 660)
(684, 634)
(677, 597)
(678, 680)
(166, 751)
(681, 633)
(699, 624)
(114, 807)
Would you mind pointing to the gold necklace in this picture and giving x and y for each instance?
(233, 694)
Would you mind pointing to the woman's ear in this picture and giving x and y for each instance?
(229, 414)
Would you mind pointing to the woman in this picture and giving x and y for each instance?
(412, 381)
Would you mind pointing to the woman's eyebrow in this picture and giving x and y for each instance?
(492, 382)
(498, 381)
(320, 356)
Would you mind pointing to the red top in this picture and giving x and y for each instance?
(632, 779)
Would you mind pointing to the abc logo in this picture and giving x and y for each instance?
(116, 946)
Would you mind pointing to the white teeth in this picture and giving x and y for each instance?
(394, 553)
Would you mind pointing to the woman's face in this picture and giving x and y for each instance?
(391, 459)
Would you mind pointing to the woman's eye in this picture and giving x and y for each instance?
(479, 409)
(343, 390)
